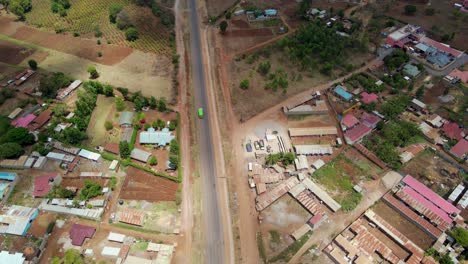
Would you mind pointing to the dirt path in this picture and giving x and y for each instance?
(185, 248)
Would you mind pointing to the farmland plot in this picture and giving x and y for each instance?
(87, 16)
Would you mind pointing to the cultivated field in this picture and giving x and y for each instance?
(434, 172)
(140, 185)
(85, 16)
(13, 53)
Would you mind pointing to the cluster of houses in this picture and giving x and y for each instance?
(419, 205)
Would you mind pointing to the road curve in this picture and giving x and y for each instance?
(212, 219)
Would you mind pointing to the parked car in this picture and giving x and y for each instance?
(248, 146)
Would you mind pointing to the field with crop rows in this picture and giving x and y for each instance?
(85, 16)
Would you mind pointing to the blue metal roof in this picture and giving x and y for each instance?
(160, 138)
(8, 176)
(341, 92)
(271, 12)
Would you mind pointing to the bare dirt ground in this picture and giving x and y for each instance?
(434, 172)
(140, 185)
(79, 47)
(411, 231)
(39, 225)
(442, 22)
(13, 53)
(216, 7)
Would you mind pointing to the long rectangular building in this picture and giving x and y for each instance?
(264, 200)
(313, 131)
(322, 195)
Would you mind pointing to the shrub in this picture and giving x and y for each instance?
(90, 190)
(223, 26)
(153, 161)
(244, 84)
(114, 10)
(93, 73)
(131, 34)
(99, 54)
(32, 64)
(76, 34)
(264, 68)
(119, 104)
(124, 149)
(108, 125)
(410, 9)
(98, 42)
(97, 32)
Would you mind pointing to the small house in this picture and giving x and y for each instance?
(43, 184)
(140, 155)
(126, 119)
(78, 233)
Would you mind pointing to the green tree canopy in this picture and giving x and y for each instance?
(51, 83)
(91, 189)
(10, 150)
(131, 34)
(18, 135)
(124, 149)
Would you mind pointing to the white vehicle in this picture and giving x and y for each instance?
(250, 166)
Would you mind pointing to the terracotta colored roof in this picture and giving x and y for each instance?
(349, 120)
(78, 233)
(315, 219)
(112, 148)
(42, 185)
(133, 217)
(357, 133)
(23, 121)
(462, 75)
(41, 119)
(414, 149)
(453, 131)
(430, 195)
(369, 98)
(460, 149)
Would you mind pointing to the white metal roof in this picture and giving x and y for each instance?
(140, 155)
(321, 194)
(14, 258)
(464, 201)
(40, 162)
(318, 164)
(113, 165)
(458, 190)
(313, 149)
(75, 84)
(116, 237)
(110, 251)
(137, 260)
(89, 155)
(418, 103)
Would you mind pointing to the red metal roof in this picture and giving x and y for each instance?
(460, 149)
(369, 97)
(42, 185)
(356, 133)
(78, 233)
(370, 120)
(349, 120)
(41, 119)
(462, 75)
(112, 148)
(453, 131)
(315, 219)
(423, 201)
(430, 195)
(23, 121)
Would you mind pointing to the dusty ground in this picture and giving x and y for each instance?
(434, 172)
(411, 231)
(442, 22)
(39, 225)
(139, 185)
(13, 53)
(215, 7)
(119, 66)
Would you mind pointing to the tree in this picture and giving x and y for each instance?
(123, 20)
(131, 34)
(114, 10)
(73, 135)
(59, 191)
(304, 7)
(91, 189)
(264, 68)
(159, 124)
(108, 125)
(51, 83)
(410, 9)
(93, 73)
(18, 135)
(108, 90)
(10, 150)
(174, 160)
(162, 105)
(223, 26)
(172, 125)
(72, 256)
(124, 149)
(153, 161)
(20, 7)
(119, 104)
(60, 109)
(32, 64)
(460, 235)
(244, 84)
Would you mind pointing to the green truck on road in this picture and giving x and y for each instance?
(200, 112)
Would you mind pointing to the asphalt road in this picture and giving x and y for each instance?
(213, 230)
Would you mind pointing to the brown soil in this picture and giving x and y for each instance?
(216, 7)
(240, 23)
(12, 53)
(84, 48)
(40, 224)
(411, 231)
(258, 32)
(140, 185)
(79, 183)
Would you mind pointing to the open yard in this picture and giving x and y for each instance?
(104, 111)
(338, 178)
(13, 53)
(434, 172)
(28, 246)
(86, 16)
(362, 162)
(411, 231)
(140, 185)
